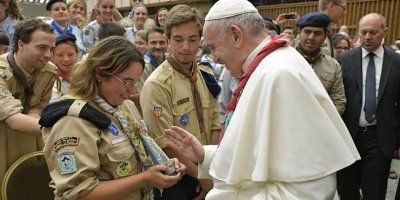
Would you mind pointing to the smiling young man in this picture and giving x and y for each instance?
(26, 81)
(313, 31)
(177, 94)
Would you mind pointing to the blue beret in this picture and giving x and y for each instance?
(314, 20)
(65, 37)
(51, 2)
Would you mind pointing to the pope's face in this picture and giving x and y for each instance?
(223, 49)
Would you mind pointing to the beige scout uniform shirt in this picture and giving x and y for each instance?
(95, 155)
(167, 99)
(148, 69)
(329, 72)
(13, 145)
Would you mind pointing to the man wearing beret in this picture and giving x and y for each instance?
(26, 80)
(313, 31)
(283, 138)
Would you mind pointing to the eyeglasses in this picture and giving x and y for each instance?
(342, 6)
(127, 85)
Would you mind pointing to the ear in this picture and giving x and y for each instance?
(237, 34)
(99, 78)
(20, 45)
(385, 31)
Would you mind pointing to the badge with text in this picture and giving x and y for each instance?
(182, 101)
(157, 110)
(184, 120)
(66, 162)
(65, 141)
(124, 168)
(113, 129)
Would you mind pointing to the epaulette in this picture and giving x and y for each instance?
(50, 67)
(78, 108)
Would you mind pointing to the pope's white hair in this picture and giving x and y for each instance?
(251, 23)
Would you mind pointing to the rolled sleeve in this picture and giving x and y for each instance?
(10, 105)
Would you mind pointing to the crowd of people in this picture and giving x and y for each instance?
(229, 105)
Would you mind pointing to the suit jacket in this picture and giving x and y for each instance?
(388, 97)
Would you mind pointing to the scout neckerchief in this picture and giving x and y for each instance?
(59, 30)
(19, 75)
(130, 130)
(153, 60)
(191, 75)
(310, 57)
(276, 42)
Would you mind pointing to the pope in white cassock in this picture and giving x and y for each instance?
(284, 138)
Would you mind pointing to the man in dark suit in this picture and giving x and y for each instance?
(371, 77)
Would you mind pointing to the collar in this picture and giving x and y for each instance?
(378, 52)
(254, 53)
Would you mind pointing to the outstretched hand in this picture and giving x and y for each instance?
(185, 142)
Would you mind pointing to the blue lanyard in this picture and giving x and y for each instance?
(59, 30)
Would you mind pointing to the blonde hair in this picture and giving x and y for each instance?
(81, 2)
(109, 57)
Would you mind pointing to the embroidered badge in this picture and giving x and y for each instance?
(124, 168)
(66, 162)
(118, 140)
(87, 32)
(157, 110)
(184, 120)
(182, 101)
(65, 141)
(113, 129)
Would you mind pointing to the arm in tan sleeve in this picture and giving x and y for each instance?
(216, 123)
(79, 177)
(24, 123)
(337, 93)
(47, 92)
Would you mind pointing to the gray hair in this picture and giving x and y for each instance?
(249, 22)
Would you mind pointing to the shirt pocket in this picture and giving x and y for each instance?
(122, 161)
(327, 80)
(184, 115)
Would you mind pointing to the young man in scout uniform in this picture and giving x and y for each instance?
(178, 93)
(313, 31)
(26, 81)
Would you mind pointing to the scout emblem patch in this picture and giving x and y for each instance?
(113, 129)
(66, 162)
(118, 140)
(184, 120)
(123, 168)
(5, 92)
(87, 32)
(65, 141)
(157, 111)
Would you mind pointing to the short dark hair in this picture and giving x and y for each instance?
(339, 37)
(25, 28)
(154, 30)
(111, 29)
(4, 40)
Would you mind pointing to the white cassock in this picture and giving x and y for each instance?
(285, 140)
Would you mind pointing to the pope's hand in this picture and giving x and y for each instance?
(184, 142)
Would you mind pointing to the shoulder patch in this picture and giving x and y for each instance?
(124, 168)
(67, 162)
(65, 141)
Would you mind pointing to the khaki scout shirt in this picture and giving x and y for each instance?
(13, 144)
(329, 72)
(167, 99)
(94, 155)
